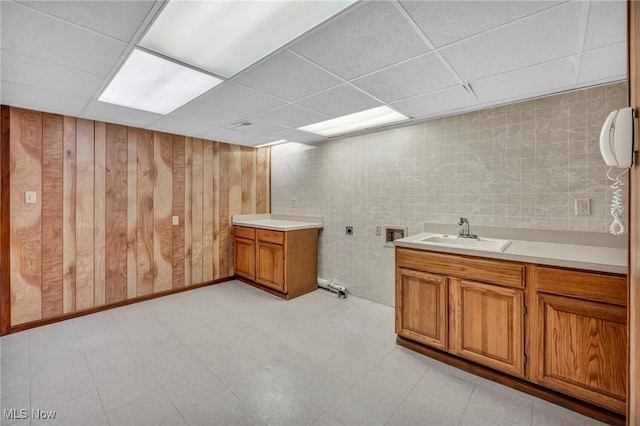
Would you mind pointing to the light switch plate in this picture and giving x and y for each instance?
(176, 220)
(30, 197)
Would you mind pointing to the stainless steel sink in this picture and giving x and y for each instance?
(481, 244)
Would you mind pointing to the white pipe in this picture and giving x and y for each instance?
(331, 286)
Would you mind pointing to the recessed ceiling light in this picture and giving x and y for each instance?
(367, 119)
(154, 84)
(225, 37)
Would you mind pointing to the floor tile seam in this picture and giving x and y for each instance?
(95, 385)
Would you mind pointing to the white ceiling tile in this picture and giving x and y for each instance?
(540, 80)
(442, 102)
(212, 116)
(45, 75)
(605, 64)
(365, 38)
(424, 74)
(238, 98)
(606, 24)
(291, 115)
(444, 22)
(287, 76)
(118, 19)
(41, 99)
(32, 33)
(340, 100)
(548, 35)
(295, 135)
(179, 126)
(111, 113)
(229, 136)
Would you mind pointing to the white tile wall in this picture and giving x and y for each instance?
(519, 165)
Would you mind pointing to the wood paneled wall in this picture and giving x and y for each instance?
(101, 231)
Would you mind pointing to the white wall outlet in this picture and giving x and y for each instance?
(30, 197)
(176, 220)
(583, 207)
(294, 203)
(378, 230)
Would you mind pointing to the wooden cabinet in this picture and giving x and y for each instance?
(572, 339)
(245, 252)
(487, 324)
(582, 335)
(282, 262)
(422, 307)
(471, 307)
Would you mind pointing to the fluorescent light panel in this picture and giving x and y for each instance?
(225, 37)
(271, 143)
(154, 84)
(370, 118)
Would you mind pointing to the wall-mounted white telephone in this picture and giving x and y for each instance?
(616, 147)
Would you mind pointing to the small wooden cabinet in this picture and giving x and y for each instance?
(581, 346)
(487, 324)
(284, 263)
(245, 252)
(423, 316)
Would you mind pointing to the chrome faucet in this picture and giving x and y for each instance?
(463, 231)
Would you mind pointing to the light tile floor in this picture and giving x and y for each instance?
(232, 354)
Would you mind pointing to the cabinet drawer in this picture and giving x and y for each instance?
(243, 232)
(585, 285)
(500, 272)
(274, 237)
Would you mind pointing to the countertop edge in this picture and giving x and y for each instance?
(526, 258)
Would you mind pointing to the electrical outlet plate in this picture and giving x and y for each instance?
(378, 230)
(30, 197)
(176, 220)
(294, 203)
(583, 207)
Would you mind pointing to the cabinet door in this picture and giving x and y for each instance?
(421, 307)
(270, 265)
(487, 324)
(245, 258)
(582, 349)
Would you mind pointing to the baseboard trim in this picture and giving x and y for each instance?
(554, 397)
(40, 323)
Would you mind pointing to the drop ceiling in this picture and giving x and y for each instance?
(422, 58)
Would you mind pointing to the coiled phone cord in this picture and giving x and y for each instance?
(617, 207)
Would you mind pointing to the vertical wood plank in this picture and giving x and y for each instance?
(144, 229)
(132, 212)
(248, 180)
(162, 200)
(188, 220)
(178, 210)
(116, 213)
(196, 211)
(52, 200)
(225, 246)
(85, 184)
(26, 219)
(69, 216)
(207, 211)
(5, 220)
(216, 211)
(262, 180)
(99, 212)
(235, 191)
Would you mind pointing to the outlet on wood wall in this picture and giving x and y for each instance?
(101, 229)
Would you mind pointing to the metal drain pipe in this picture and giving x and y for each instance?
(331, 286)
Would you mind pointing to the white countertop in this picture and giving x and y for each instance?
(602, 259)
(278, 222)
